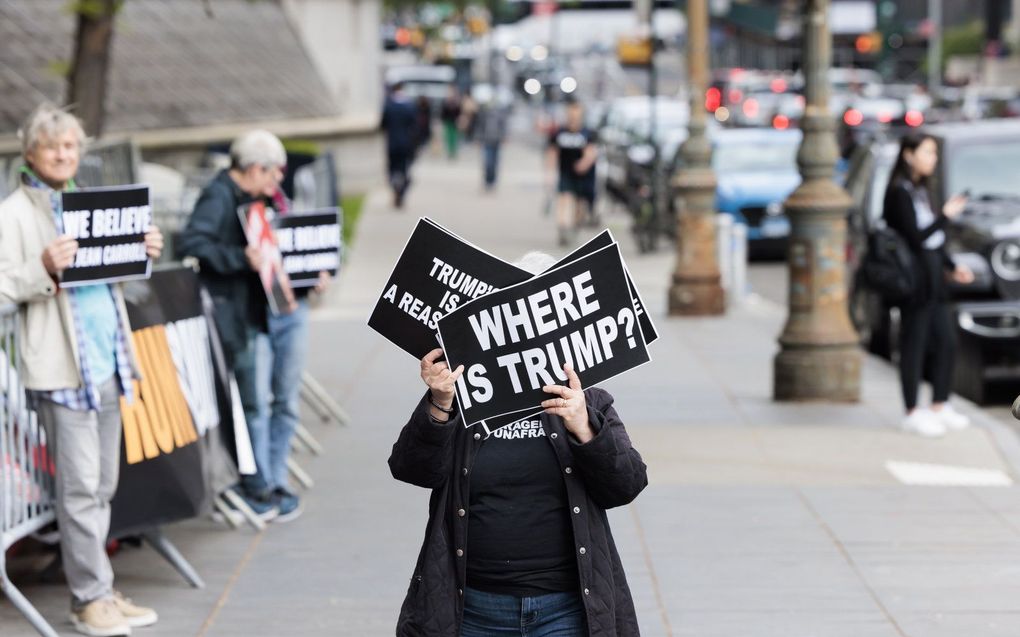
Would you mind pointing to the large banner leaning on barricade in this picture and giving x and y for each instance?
(309, 244)
(162, 476)
(436, 273)
(109, 225)
(515, 341)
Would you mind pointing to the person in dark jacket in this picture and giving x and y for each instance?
(229, 271)
(399, 121)
(926, 324)
(517, 533)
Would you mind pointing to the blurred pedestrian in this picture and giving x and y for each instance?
(78, 363)
(571, 153)
(517, 533)
(926, 322)
(399, 121)
(422, 124)
(229, 269)
(280, 355)
(492, 127)
(449, 115)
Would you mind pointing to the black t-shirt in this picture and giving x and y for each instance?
(520, 540)
(570, 147)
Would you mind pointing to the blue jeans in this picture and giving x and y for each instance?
(552, 615)
(280, 356)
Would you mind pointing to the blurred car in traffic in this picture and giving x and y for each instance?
(430, 81)
(979, 158)
(628, 122)
(756, 170)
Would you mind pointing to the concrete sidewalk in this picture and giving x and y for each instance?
(761, 519)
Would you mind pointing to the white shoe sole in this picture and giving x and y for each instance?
(142, 621)
(92, 631)
(925, 434)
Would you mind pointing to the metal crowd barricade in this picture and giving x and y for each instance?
(26, 471)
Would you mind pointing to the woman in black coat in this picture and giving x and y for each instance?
(926, 322)
(517, 537)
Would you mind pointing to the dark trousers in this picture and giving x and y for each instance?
(491, 152)
(927, 334)
(398, 164)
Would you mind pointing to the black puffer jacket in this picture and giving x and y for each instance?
(215, 236)
(605, 472)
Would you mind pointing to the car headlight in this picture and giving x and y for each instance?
(774, 208)
(1005, 263)
(1005, 260)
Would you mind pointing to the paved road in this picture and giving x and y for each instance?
(761, 519)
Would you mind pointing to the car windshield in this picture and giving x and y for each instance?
(755, 157)
(984, 168)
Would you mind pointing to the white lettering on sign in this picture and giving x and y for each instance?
(569, 301)
(458, 280)
(117, 222)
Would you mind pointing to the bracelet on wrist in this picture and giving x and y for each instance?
(446, 411)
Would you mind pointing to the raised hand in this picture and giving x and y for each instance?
(570, 405)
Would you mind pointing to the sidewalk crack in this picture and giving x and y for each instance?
(849, 560)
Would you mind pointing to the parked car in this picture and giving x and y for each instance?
(756, 170)
(975, 157)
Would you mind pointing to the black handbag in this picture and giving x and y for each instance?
(888, 266)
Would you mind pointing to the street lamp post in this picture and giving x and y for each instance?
(818, 357)
(696, 289)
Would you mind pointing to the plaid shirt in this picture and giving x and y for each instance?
(85, 398)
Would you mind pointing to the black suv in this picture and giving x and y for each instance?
(982, 159)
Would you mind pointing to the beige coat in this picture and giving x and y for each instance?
(48, 345)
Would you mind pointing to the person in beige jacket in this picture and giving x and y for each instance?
(77, 363)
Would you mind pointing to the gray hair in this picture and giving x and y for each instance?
(257, 148)
(535, 262)
(49, 121)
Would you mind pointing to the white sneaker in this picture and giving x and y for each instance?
(952, 419)
(924, 423)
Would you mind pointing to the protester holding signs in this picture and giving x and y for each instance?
(517, 524)
(281, 352)
(229, 270)
(78, 360)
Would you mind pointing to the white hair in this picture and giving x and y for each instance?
(535, 262)
(49, 121)
(257, 148)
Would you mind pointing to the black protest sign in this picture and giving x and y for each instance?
(174, 405)
(515, 341)
(109, 225)
(436, 273)
(309, 243)
(599, 241)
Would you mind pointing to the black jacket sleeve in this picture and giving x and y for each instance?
(899, 214)
(612, 470)
(423, 452)
(203, 236)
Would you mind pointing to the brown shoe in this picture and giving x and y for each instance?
(100, 619)
(136, 616)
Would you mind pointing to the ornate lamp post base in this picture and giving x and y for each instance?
(831, 374)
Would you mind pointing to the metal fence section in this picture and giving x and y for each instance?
(26, 471)
(109, 163)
